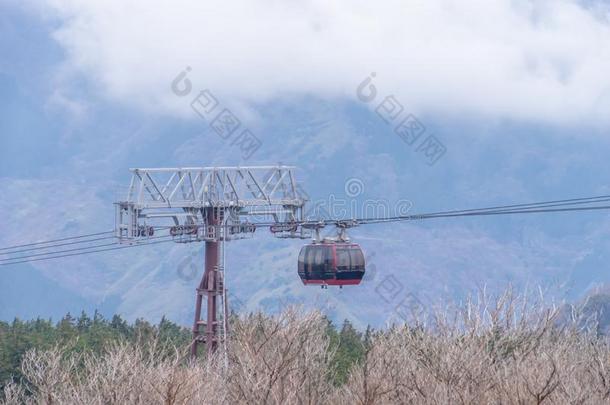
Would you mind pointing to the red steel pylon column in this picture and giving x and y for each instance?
(210, 287)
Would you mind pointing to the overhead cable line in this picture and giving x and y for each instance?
(82, 248)
(566, 205)
(84, 253)
(57, 245)
(57, 240)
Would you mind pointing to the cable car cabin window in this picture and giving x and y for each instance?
(350, 259)
(309, 260)
(302, 260)
(343, 259)
(316, 261)
(357, 259)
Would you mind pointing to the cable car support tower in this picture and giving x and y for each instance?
(213, 205)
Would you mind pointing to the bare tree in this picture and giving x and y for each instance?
(509, 349)
(277, 360)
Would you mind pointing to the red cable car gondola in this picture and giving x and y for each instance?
(331, 263)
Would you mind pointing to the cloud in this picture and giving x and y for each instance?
(545, 61)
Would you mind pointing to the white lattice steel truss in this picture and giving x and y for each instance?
(179, 197)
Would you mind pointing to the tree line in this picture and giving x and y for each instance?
(93, 334)
(509, 349)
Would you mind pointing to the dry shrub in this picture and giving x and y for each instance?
(15, 394)
(509, 350)
(278, 360)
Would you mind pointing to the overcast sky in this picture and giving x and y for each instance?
(542, 60)
(518, 92)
